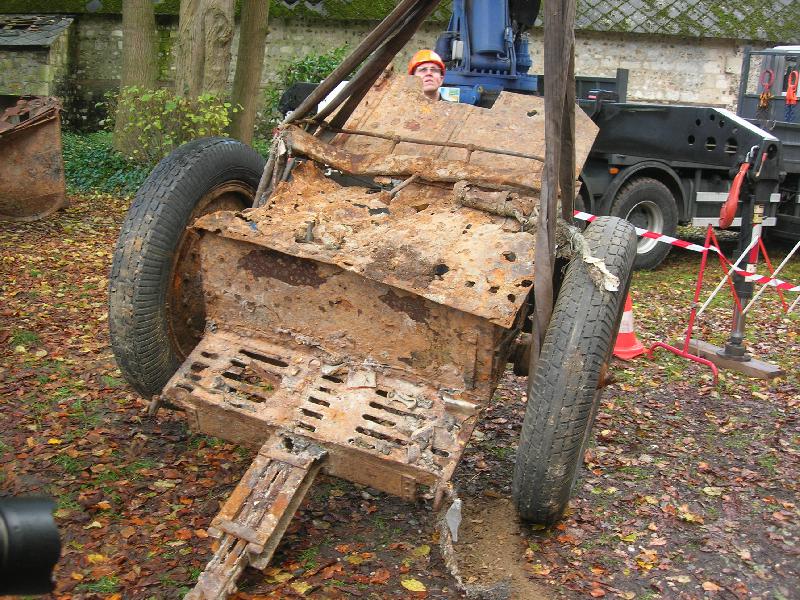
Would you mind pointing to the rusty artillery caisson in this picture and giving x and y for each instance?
(359, 318)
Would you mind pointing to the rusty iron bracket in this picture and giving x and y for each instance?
(255, 517)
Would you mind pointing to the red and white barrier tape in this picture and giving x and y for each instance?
(660, 237)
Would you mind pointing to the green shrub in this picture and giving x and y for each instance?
(312, 68)
(157, 121)
(92, 165)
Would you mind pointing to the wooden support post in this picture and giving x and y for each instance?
(559, 167)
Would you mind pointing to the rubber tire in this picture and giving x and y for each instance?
(144, 258)
(563, 397)
(652, 195)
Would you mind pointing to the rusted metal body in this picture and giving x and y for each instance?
(257, 514)
(372, 325)
(32, 182)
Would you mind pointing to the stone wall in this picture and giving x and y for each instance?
(662, 68)
(35, 71)
(25, 71)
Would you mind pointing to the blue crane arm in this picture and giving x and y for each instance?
(486, 48)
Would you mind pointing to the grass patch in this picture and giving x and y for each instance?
(309, 557)
(200, 440)
(169, 581)
(112, 382)
(85, 413)
(70, 465)
(738, 441)
(22, 337)
(131, 471)
(635, 473)
(105, 585)
(67, 502)
(768, 462)
(63, 393)
(501, 452)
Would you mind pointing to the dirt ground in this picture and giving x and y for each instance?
(690, 490)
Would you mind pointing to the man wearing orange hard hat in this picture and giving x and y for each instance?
(428, 66)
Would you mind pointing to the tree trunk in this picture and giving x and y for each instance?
(249, 63)
(203, 49)
(139, 59)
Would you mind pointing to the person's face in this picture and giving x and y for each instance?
(432, 77)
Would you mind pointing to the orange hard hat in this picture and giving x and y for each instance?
(425, 56)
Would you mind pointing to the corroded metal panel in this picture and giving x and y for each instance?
(374, 421)
(396, 106)
(420, 241)
(516, 122)
(289, 300)
(32, 183)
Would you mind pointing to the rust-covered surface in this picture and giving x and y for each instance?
(372, 322)
(396, 106)
(32, 182)
(421, 241)
(381, 426)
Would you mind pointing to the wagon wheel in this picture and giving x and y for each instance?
(563, 396)
(156, 311)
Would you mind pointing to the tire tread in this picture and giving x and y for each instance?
(562, 394)
(140, 270)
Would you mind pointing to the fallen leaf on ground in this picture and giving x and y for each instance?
(301, 587)
(413, 585)
(380, 577)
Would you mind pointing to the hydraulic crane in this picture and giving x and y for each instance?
(486, 49)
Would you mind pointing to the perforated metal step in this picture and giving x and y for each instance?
(369, 418)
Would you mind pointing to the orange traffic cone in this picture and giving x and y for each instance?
(627, 346)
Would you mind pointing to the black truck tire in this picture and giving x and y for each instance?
(564, 392)
(648, 204)
(156, 314)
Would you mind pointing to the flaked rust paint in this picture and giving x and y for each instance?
(264, 263)
(413, 306)
(32, 184)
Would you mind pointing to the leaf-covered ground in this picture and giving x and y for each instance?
(690, 490)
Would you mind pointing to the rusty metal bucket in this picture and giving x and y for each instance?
(32, 182)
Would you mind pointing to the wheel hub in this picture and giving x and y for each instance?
(646, 215)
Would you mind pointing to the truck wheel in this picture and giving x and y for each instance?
(564, 392)
(156, 313)
(648, 204)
